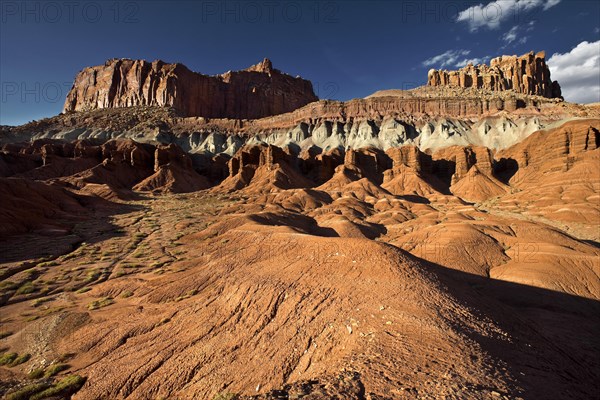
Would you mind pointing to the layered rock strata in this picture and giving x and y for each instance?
(256, 92)
(526, 74)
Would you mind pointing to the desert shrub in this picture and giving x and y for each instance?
(47, 264)
(13, 359)
(157, 264)
(36, 373)
(23, 358)
(37, 302)
(8, 358)
(8, 285)
(55, 369)
(26, 392)
(65, 387)
(94, 305)
(92, 275)
(26, 288)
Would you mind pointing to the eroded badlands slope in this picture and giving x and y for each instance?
(464, 272)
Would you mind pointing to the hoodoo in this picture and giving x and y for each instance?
(526, 74)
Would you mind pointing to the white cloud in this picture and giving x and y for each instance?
(474, 61)
(578, 72)
(491, 15)
(454, 58)
(511, 35)
(447, 58)
(550, 3)
(517, 34)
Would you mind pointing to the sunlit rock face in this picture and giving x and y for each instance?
(256, 92)
(526, 74)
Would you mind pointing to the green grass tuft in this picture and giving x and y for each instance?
(26, 288)
(8, 358)
(55, 369)
(64, 388)
(26, 392)
(96, 304)
(20, 360)
(13, 359)
(36, 373)
(92, 275)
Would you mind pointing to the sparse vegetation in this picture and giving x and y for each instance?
(55, 369)
(13, 359)
(226, 396)
(126, 294)
(52, 310)
(132, 265)
(8, 286)
(36, 373)
(92, 275)
(71, 255)
(84, 289)
(96, 304)
(26, 288)
(8, 358)
(157, 264)
(38, 302)
(47, 264)
(26, 392)
(65, 387)
(23, 358)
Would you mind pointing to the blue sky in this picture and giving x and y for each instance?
(348, 49)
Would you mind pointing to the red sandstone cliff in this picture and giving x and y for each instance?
(527, 74)
(256, 92)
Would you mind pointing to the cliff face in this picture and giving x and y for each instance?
(527, 74)
(256, 92)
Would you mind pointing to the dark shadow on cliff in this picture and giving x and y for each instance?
(93, 226)
(550, 345)
(413, 198)
(443, 171)
(505, 169)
